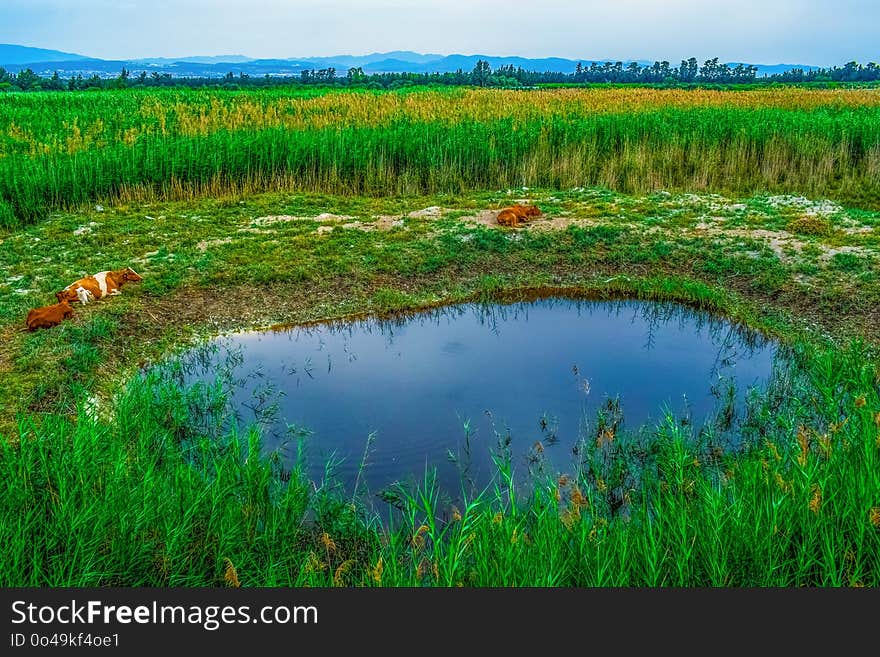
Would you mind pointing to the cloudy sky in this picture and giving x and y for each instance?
(816, 32)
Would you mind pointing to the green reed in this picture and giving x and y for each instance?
(132, 146)
(144, 493)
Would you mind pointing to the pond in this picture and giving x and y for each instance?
(460, 389)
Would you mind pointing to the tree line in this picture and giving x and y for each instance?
(661, 73)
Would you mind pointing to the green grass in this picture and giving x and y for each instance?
(60, 151)
(111, 478)
(152, 497)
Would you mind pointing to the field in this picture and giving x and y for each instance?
(60, 150)
(247, 209)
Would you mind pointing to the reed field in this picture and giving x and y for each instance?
(249, 209)
(58, 151)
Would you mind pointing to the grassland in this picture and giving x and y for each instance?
(60, 151)
(109, 479)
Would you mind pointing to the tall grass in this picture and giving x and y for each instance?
(148, 496)
(61, 150)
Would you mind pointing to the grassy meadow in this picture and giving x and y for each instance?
(250, 209)
(58, 151)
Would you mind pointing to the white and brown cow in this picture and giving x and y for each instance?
(100, 285)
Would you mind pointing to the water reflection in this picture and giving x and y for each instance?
(539, 387)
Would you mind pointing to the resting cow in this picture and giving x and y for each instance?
(516, 214)
(49, 316)
(103, 284)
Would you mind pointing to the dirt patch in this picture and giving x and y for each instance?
(204, 245)
(779, 241)
(388, 222)
(283, 218)
(559, 223)
(483, 218)
(830, 252)
(489, 218)
(432, 212)
(783, 243)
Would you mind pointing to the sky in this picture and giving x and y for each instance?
(817, 32)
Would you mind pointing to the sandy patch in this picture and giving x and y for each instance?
(483, 218)
(388, 222)
(206, 244)
(489, 218)
(432, 212)
(857, 230)
(830, 252)
(283, 218)
(560, 223)
(784, 244)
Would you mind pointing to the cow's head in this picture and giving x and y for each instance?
(129, 275)
(66, 295)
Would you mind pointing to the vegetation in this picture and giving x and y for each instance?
(58, 151)
(113, 477)
(688, 72)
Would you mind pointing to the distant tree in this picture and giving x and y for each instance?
(481, 73)
(688, 70)
(27, 80)
(121, 82)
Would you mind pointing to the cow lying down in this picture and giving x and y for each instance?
(48, 316)
(100, 285)
(103, 284)
(517, 214)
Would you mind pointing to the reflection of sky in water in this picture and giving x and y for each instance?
(415, 382)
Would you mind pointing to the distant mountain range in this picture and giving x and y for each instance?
(45, 62)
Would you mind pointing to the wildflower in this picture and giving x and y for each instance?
(456, 515)
(601, 485)
(605, 436)
(230, 575)
(376, 571)
(874, 516)
(816, 500)
(497, 518)
(774, 451)
(860, 401)
(577, 498)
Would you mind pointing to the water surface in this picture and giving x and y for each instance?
(448, 388)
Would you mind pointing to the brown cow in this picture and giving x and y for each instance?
(516, 214)
(49, 316)
(103, 284)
